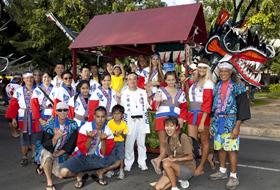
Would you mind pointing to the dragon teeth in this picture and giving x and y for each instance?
(258, 66)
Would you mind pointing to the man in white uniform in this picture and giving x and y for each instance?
(135, 102)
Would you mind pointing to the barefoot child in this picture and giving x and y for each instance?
(120, 130)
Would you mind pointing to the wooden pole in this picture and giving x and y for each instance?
(74, 66)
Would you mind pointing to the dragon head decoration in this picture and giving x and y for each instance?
(227, 42)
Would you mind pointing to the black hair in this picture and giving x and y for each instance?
(119, 108)
(171, 73)
(104, 75)
(93, 65)
(59, 63)
(66, 72)
(84, 66)
(171, 119)
(100, 108)
(48, 72)
(105, 65)
(80, 84)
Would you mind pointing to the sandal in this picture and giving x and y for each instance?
(24, 162)
(33, 161)
(157, 170)
(197, 173)
(50, 186)
(100, 181)
(212, 162)
(83, 181)
(39, 171)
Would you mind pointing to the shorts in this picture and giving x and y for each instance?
(33, 140)
(76, 164)
(185, 173)
(118, 150)
(55, 168)
(224, 141)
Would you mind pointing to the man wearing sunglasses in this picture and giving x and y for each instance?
(58, 141)
(94, 145)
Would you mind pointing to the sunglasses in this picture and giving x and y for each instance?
(68, 78)
(35, 75)
(60, 110)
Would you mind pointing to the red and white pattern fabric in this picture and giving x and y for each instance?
(41, 105)
(62, 95)
(17, 108)
(204, 95)
(82, 138)
(93, 85)
(11, 88)
(177, 107)
(101, 97)
(144, 79)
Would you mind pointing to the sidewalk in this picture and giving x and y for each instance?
(264, 122)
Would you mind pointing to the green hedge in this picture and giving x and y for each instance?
(274, 87)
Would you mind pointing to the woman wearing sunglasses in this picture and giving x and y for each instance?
(65, 91)
(42, 101)
(104, 96)
(37, 77)
(78, 104)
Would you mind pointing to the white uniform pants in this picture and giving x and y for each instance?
(135, 133)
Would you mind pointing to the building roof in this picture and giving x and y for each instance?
(132, 33)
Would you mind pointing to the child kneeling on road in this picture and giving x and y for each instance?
(119, 129)
(179, 163)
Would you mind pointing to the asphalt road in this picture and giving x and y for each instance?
(258, 169)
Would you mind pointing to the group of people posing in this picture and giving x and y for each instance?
(94, 123)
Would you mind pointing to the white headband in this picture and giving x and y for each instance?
(225, 65)
(17, 76)
(203, 65)
(27, 75)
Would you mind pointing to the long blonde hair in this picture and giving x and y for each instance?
(204, 78)
(159, 67)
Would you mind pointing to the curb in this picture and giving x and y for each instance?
(260, 132)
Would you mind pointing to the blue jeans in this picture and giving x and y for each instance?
(253, 90)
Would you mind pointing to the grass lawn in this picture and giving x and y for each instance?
(274, 95)
(259, 102)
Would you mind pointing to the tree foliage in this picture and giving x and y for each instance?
(262, 12)
(43, 41)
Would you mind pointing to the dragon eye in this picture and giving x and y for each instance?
(228, 44)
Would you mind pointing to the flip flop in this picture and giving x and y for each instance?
(197, 173)
(50, 186)
(212, 162)
(39, 171)
(157, 170)
(83, 181)
(100, 181)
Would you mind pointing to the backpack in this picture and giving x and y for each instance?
(197, 151)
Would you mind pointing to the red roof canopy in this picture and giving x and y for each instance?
(132, 33)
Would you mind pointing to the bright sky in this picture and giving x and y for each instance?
(178, 2)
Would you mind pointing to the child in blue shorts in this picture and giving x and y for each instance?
(120, 130)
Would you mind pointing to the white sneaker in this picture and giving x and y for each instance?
(184, 183)
(127, 169)
(120, 175)
(143, 167)
(109, 174)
